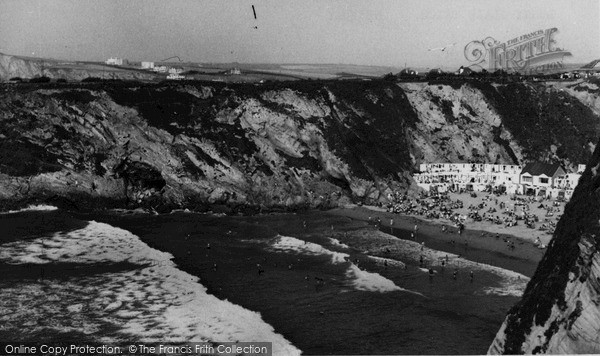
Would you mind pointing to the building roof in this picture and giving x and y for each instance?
(539, 168)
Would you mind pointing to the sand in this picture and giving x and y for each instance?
(483, 242)
(521, 231)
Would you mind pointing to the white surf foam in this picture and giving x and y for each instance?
(511, 284)
(292, 244)
(337, 242)
(39, 207)
(154, 303)
(372, 282)
(360, 279)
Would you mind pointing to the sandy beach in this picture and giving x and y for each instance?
(483, 241)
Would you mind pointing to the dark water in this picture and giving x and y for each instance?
(331, 318)
(453, 316)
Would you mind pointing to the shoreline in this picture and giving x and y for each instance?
(471, 244)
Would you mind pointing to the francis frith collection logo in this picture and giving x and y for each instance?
(529, 53)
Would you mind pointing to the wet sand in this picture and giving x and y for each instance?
(475, 245)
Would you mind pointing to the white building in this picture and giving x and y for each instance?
(175, 70)
(549, 180)
(147, 65)
(160, 69)
(540, 176)
(115, 61)
(175, 76)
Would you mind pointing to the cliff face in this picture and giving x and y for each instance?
(560, 309)
(27, 68)
(12, 66)
(285, 144)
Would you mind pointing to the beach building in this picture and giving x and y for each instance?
(468, 176)
(539, 177)
(160, 69)
(115, 61)
(147, 65)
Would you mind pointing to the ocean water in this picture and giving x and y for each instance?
(193, 277)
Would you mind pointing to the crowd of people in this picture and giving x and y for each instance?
(490, 209)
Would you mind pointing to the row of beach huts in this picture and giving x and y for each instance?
(536, 178)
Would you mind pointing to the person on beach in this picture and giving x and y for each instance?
(454, 274)
(412, 236)
(430, 274)
(304, 224)
(471, 276)
(422, 245)
(391, 222)
(260, 269)
(421, 261)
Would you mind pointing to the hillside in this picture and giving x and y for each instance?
(560, 309)
(277, 145)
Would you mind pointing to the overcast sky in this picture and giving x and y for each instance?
(373, 32)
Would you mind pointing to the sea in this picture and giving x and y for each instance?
(310, 283)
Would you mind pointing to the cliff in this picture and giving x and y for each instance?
(560, 309)
(27, 68)
(275, 145)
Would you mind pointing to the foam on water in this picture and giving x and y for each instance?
(337, 242)
(372, 282)
(512, 283)
(292, 244)
(39, 207)
(154, 303)
(360, 279)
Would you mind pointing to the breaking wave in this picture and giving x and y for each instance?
(152, 302)
(360, 279)
(39, 207)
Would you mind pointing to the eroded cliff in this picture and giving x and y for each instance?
(560, 309)
(274, 145)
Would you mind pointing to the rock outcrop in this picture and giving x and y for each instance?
(26, 68)
(274, 145)
(560, 309)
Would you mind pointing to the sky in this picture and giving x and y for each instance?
(377, 32)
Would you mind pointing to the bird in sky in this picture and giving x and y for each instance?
(442, 48)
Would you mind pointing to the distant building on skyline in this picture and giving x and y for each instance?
(147, 65)
(115, 61)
